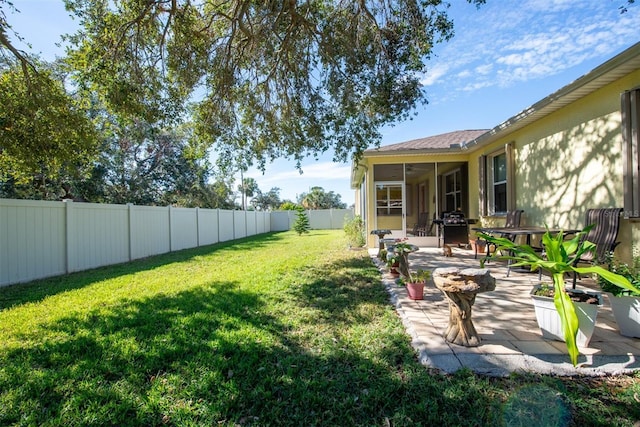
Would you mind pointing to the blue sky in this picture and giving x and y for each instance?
(505, 56)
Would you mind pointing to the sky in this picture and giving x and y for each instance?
(505, 56)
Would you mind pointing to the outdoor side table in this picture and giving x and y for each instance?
(460, 287)
(380, 233)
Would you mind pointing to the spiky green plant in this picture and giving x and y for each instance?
(560, 257)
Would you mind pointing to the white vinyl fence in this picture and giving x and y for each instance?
(42, 239)
(322, 219)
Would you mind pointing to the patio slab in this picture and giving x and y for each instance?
(505, 320)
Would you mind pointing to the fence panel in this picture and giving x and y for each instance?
(252, 217)
(184, 228)
(207, 226)
(97, 235)
(225, 225)
(339, 216)
(280, 220)
(319, 219)
(239, 224)
(149, 231)
(32, 240)
(261, 222)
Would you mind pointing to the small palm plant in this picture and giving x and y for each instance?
(560, 257)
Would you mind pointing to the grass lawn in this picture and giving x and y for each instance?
(278, 329)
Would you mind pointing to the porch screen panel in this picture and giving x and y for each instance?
(630, 109)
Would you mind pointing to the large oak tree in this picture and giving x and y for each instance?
(274, 78)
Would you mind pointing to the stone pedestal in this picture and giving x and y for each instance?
(460, 287)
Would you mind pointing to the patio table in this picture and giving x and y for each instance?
(527, 231)
(513, 232)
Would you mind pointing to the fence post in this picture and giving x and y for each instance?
(197, 226)
(170, 230)
(68, 220)
(129, 222)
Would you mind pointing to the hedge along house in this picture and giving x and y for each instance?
(578, 148)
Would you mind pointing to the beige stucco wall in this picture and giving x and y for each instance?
(570, 161)
(567, 162)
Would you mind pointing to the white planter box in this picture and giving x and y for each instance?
(626, 310)
(549, 319)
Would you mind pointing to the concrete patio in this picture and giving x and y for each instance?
(505, 320)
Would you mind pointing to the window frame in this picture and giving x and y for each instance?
(487, 202)
(493, 183)
(456, 192)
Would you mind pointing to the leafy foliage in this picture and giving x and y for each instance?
(629, 270)
(354, 229)
(290, 206)
(267, 201)
(273, 79)
(44, 132)
(560, 257)
(318, 198)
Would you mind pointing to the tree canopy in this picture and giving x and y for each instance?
(318, 198)
(44, 131)
(274, 79)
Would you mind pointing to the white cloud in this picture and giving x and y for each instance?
(524, 41)
(318, 171)
(434, 74)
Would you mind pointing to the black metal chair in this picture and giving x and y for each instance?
(604, 234)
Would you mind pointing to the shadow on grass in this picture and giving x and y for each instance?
(219, 354)
(37, 290)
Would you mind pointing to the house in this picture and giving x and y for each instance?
(575, 149)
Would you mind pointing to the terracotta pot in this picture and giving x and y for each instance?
(480, 244)
(416, 290)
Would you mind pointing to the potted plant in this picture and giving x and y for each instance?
(393, 262)
(586, 305)
(400, 252)
(415, 283)
(625, 303)
(558, 258)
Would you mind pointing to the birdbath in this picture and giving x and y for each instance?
(381, 233)
(460, 287)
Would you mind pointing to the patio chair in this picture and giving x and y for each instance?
(420, 227)
(604, 234)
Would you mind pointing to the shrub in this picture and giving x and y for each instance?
(630, 271)
(354, 229)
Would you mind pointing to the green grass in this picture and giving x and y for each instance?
(275, 330)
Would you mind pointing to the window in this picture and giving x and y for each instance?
(496, 182)
(630, 109)
(453, 191)
(498, 189)
(389, 199)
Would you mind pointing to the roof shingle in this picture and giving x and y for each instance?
(436, 142)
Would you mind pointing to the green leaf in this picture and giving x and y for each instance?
(568, 317)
